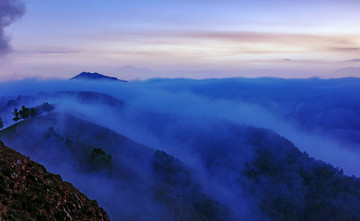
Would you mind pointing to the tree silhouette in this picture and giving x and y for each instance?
(46, 107)
(16, 115)
(26, 113)
(101, 161)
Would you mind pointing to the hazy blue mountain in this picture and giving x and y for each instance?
(206, 149)
(330, 106)
(267, 176)
(94, 76)
(121, 176)
(258, 171)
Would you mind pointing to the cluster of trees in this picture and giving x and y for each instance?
(176, 184)
(292, 186)
(101, 161)
(26, 113)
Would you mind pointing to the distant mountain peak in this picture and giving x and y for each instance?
(94, 76)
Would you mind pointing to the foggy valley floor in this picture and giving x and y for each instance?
(182, 149)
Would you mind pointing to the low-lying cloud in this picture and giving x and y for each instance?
(196, 121)
(206, 99)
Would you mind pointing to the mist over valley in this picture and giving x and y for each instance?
(181, 149)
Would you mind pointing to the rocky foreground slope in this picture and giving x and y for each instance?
(29, 192)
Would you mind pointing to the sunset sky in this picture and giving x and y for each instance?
(183, 38)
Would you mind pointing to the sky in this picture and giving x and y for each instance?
(179, 38)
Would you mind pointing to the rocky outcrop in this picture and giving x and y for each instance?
(29, 192)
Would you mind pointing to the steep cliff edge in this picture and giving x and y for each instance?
(29, 192)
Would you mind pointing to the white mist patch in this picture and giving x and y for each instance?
(139, 97)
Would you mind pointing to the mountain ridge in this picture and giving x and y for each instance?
(143, 173)
(95, 76)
